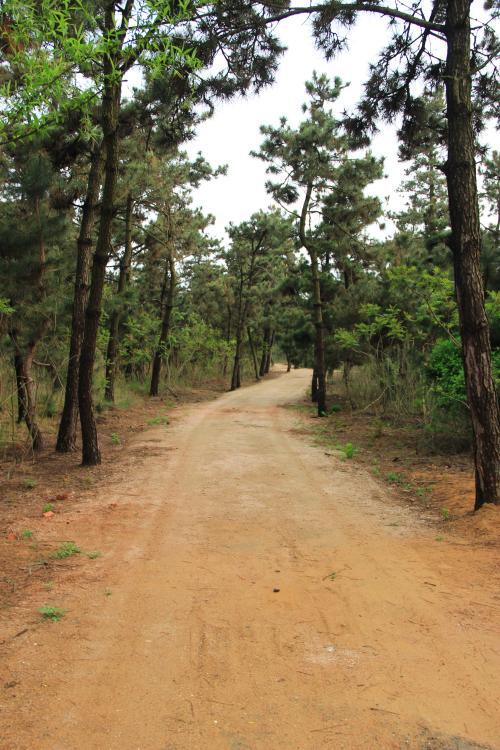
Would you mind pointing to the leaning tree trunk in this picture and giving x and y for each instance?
(20, 389)
(66, 437)
(465, 244)
(168, 295)
(91, 454)
(117, 314)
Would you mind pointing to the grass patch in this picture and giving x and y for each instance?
(48, 507)
(94, 555)
(52, 613)
(26, 534)
(157, 420)
(29, 484)
(67, 549)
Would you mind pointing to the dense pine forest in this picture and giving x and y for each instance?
(112, 284)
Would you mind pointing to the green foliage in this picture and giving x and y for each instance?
(27, 534)
(445, 369)
(48, 612)
(29, 483)
(115, 438)
(67, 549)
(48, 507)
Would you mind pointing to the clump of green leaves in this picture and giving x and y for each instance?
(115, 438)
(52, 613)
(157, 420)
(67, 549)
(48, 507)
(94, 555)
(26, 534)
(29, 483)
(445, 514)
(393, 477)
(349, 450)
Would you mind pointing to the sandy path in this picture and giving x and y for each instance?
(372, 641)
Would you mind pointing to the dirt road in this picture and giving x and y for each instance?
(256, 594)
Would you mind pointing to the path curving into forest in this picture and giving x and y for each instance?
(261, 596)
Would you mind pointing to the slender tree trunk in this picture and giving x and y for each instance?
(265, 347)
(66, 437)
(117, 314)
(30, 416)
(319, 344)
(236, 374)
(27, 385)
(91, 454)
(314, 386)
(254, 356)
(21, 391)
(465, 244)
(267, 364)
(168, 294)
(288, 362)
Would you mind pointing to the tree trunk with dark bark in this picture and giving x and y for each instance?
(318, 390)
(254, 356)
(267, 364)
(168, 295)
(465, 244)
(20, 389)
(66, 437)
(117, 314)
(265, 347)
(91, 454)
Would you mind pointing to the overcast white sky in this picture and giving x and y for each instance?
(233, 131)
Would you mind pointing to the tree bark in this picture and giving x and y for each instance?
(265, 347)
(24, 365)
(66, 437)
(117, 314)
(20, 389)
(91, 454)
(465, 244)
(319, 343)
(254, 356)
(168, 294)
(267, 365)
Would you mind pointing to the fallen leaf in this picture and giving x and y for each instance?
(11, 537)
(62, 496)
(48, 514)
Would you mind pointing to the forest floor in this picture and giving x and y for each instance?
(242, 585)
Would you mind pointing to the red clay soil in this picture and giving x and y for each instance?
(253, 593)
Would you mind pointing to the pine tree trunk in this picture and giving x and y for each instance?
(267, 364)
(314, 386)
(265, 347)
(91, 454)
(168, 294)
(117, 314)
(66, 437)
(30, 415)
(20, 389)
(319, 344)
(465, 244)
(236, 374)
(254, 356)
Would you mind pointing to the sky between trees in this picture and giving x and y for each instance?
(228, 136)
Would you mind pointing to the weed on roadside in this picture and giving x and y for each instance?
(52, 613)
(67, 549)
